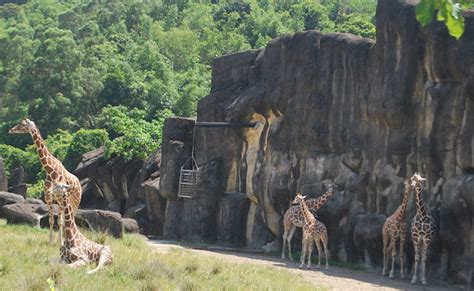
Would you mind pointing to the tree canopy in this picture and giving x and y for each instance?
(122, 66)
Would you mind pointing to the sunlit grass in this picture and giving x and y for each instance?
(27, 260)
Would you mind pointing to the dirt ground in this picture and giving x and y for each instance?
(335, 278)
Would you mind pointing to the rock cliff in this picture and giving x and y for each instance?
(363, 113)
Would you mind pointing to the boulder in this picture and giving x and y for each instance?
(130, 225)
(10, 198)
(175, 152)
(100, 220)
(28, 213)
(457, 229)
(194, 219)
(231, 219)
(156, 207)
(3, 177)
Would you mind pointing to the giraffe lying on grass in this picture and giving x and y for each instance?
(77, 250)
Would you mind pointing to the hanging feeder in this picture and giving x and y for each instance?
(190, 175)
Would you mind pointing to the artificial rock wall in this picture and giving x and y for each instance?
(366, 114)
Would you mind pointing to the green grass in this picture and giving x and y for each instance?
(27, 261)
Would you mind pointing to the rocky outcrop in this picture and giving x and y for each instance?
(3, 177)
(16, 183)
(364, 113)
(100, 220)
(25, 213)
(10, 198)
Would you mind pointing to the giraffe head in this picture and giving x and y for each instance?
(25, 126)
(60, 190)
(298, 198)
(416, 180)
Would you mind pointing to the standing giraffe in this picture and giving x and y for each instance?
(422, 229)
(313, 229)
(294, 217)
(55, 173)
(77, 250)
(395, 227)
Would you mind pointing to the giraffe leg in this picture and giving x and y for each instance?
(320, 253)
(285, 235)
(310, 250)
(77, 263)
(424, 251)
(402, 252)
(303, 252)
(51, 222)
(393, 243)
(60, 224)
(290, 236)
(416, 246)
(385, 253)
(325, 246)
(104, 259)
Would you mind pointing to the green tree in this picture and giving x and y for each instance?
(448, 11)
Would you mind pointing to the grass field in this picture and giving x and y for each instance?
(27, 261)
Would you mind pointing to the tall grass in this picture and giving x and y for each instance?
(27, 261)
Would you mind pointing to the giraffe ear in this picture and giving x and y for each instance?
(304, 197)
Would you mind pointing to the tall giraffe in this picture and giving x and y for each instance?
(422, 229)
(293, 217)
(77, 250)
(313, 229)
(55, 173)
(394, 228)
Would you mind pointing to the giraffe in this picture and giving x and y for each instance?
(77, 250)
(422, 230)
(55, 173)
(313, 229)
(393, 229)
(293, 217)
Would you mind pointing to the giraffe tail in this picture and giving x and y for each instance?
(104, 259)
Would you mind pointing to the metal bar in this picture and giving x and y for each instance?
(209, 124)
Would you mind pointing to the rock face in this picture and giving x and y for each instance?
(3, 177)
(365, 114)
(100, 220)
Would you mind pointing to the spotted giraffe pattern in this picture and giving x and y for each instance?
(313, 230)
(77, 250)
(422, 231)
(395, 228)
(55, 173)
(293, 218)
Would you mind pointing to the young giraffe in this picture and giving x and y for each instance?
(294, 217)
(55, 173)
(394, 228)
(422, 230)
(77, 250)
(313, 229)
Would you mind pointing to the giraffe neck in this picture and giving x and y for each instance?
(308, 217)
(70, 228)
(403, 207)
(420, 204)
(321, 200)
(41, 148)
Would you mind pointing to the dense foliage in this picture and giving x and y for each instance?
(448, 11)
(123, 66)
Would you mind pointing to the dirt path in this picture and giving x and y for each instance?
(335, 278)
